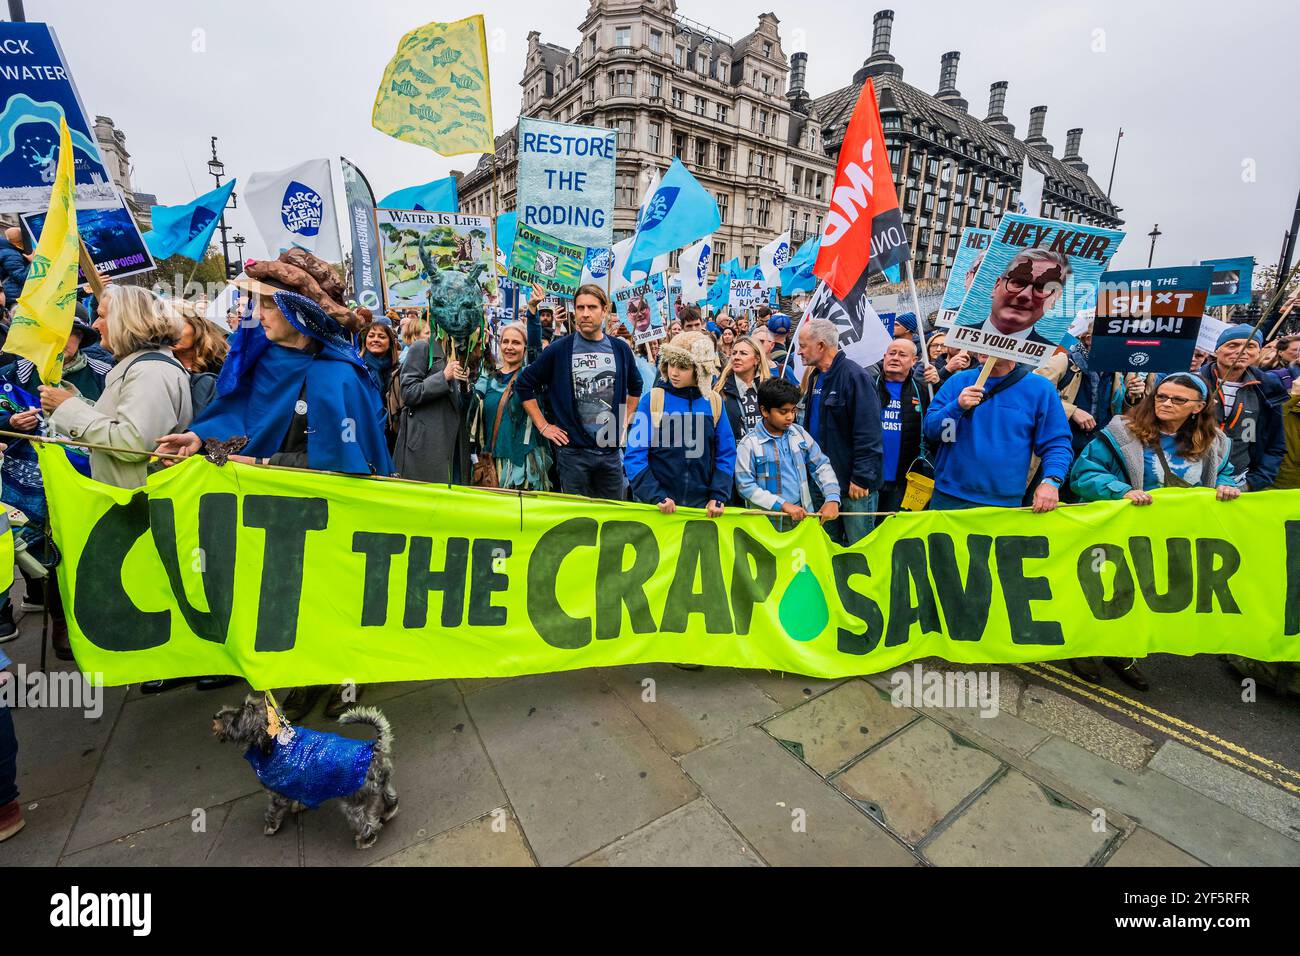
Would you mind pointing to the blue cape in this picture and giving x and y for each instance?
(261, 382)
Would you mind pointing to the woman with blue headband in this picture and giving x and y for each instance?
(1168, 440)
(295, 387)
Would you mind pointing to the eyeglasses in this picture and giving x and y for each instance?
(1044, 286)
(1174, 400)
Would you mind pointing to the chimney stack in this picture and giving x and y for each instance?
(880, 63)
(997, 117)
(882, 32)
(1037, 122)
(798, 72)
(1073, 139)
(797, 94)
(948, 92)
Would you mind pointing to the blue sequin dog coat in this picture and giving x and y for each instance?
(313, 767)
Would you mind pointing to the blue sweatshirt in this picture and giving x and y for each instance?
(690, 460)
(987, 452)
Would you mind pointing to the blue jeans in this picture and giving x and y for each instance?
(8, 756)
(941, 502)
(848, 531)
(591, 472)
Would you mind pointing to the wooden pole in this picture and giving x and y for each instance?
(93, 278)
(985, 372)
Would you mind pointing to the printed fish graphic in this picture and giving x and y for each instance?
(438, 92)
(475, 70)
(403, 130)
(465, 82)
(473, 115)
(405, 87)
(471, 100)
(450, 126)
(445, 57)
(434, 43)
(402, 65)
(421, 75)
(424, 113)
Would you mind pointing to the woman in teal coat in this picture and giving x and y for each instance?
(1167, 440)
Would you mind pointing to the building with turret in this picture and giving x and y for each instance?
(740, 117)
(112, 148)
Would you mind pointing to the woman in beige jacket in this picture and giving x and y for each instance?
(146, 395)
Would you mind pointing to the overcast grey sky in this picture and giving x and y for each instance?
(1204, 90)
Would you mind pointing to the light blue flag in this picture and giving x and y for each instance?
(720, 291)
(680, 212)
(755, 274)
(506, 225)
(437, 196)
(798, 275)
(187, 230)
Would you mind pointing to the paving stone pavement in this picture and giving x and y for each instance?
(652, 765)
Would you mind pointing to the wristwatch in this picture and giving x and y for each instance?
(1053, 480)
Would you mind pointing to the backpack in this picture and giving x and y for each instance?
(203, 385)
(657, 406)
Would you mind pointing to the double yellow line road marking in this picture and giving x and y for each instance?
(1225, 750)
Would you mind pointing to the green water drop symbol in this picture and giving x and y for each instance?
(803, 611)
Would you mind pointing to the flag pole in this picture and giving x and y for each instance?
(920, 324)
(93, 278)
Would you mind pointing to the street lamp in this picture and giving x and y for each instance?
(238, 240)
(217, 169)
(1154, 234)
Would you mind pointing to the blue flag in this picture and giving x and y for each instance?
(798, 275)
(720, 292)
(507, 222)
(437, 196)
(187, 230)
(680, 212)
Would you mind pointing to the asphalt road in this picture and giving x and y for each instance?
(1203, 691)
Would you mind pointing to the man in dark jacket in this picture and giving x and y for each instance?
(13, 266)
(589, 380)
(903, 403)
(1247, 403)
(842, 413)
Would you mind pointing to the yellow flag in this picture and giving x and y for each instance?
(42, 320)
(435, 91)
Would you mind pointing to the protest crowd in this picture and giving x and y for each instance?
(721, 407)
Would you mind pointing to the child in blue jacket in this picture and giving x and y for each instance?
(680, 449)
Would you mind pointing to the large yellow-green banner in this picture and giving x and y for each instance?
(293, 578)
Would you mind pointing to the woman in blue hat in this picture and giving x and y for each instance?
(293, 383)
(1168, 440)
(295, 387)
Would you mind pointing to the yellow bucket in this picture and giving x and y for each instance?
(919, 491)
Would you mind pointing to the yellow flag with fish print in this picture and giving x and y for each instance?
(435, 91)
(42, 320)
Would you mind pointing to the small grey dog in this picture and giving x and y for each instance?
(302, 768)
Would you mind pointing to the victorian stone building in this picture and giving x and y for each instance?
(734, 111)
(953, 169)
(739, 116)
(112, 147)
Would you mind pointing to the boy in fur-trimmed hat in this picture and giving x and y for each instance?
(680, 449)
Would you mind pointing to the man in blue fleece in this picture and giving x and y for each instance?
(680, 449)
(987, 437)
